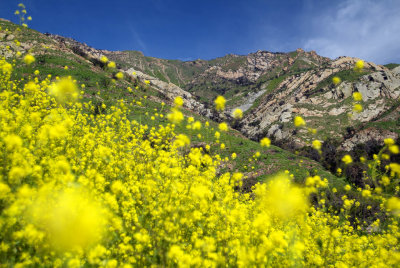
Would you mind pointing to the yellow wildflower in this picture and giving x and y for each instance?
(220, 103)
(393, 205)
(299, 121)
(388, 141)
(347, 159)
(196, 125)
(111, 65)
(119, 75)
(316, 144)
(357, 108)
(223, 127)
(29, 59)
(175, 116)
(265, 142)
(357, 96)
(104, 59)
(181, 140)
(178, 101)
(64, 90)
(359, 65)
(237, 114)
(336, 80)
(394, 149)
(13, 142)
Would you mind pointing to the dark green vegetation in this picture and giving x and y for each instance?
(391, 65)
(174, 71)
(349, 75)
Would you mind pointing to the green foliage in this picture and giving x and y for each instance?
(391, 66)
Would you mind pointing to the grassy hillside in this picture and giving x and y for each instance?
(94, 174)
(100, 87)
(174, 71)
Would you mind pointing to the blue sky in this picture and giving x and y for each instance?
(187, 30)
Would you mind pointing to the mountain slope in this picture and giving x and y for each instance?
(271, 88)
(325, 107)
(274, 87)
(60, 56)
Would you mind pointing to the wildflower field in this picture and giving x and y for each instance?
(83, 185)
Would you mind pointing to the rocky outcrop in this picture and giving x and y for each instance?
(282, 84)
(171, 91)
(367, 135)
(308, 93)
(323, 105)
(248, 69)
(77, 46)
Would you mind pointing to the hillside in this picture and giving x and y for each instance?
(102, 89)
(271, 88)
(114, 165)
(274, 87)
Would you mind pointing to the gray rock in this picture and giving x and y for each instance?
(367, 135)
(369, 91)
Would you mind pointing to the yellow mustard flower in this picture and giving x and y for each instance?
(223, 126)
(111, 65)
(265, 142)
(336, 80)
(299, 121)
(357, 96)
(29, 59)
(347, 159)
(316, 144)
(220, 103)
(178, 101)
(359, 65)
(357, 108)
(104, 59)
(119, 75)
(237, 114)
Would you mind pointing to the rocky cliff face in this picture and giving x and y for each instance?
(326, 107)
(271, 87)
(274, 87)
(167, 89)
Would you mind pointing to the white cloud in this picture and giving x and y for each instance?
(359, 28)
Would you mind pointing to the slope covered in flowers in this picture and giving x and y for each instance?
(81, 186)
(78, 189)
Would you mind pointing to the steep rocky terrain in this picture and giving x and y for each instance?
(274, 87)
(149, 98)
(326, 107)
(270, 87)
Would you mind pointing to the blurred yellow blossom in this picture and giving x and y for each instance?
(220, 103)
(29, 59)
(237, 114)
(265, 142)
(336, 80)
(299, 121)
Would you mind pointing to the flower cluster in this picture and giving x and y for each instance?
(78, 189)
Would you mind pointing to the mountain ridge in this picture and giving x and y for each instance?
(248, 81)
(261, 83)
